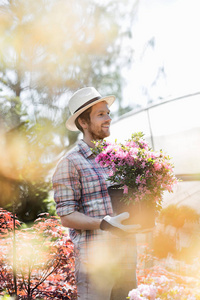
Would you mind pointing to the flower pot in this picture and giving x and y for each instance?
(139, 213)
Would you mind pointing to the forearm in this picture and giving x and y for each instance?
(80, 221)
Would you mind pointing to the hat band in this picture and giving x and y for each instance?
(87, 103)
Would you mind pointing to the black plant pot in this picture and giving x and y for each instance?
(139, 213)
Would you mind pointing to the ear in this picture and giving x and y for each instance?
(83, 123)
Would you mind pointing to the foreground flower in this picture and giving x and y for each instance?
(161, 283)
(144, 292)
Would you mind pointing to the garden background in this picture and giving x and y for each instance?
(147, 54)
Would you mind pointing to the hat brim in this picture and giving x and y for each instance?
(70, 124)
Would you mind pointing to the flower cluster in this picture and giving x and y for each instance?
(143, 173)
(153, 292)
(143, 292)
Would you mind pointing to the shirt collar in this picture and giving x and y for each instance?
(84, 148)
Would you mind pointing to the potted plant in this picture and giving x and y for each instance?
(138, 175)
(177, 216)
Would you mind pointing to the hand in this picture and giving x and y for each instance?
(113, 224)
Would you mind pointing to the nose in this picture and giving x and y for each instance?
(108, 119)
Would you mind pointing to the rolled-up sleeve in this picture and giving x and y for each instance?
(67, 187)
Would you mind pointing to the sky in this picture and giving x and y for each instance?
(173, 27)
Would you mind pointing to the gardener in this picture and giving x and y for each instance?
(105, 250)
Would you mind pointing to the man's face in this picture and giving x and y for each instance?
(99, 126)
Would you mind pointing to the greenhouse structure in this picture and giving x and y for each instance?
(173, 126)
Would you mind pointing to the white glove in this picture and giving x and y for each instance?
(113, 224)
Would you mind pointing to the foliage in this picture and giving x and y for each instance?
(48, 49)
(163, 244)
(24, 169)
(177, 216)
(6, 221)
(30, 200)
(176, 222)
(44, 261)
(143, 173)
(159, 282)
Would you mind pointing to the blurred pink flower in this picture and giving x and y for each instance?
(125, 189)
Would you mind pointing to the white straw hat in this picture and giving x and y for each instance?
(82, 100)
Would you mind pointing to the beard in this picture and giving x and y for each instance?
(98, 134)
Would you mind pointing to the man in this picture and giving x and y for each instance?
(105, 250)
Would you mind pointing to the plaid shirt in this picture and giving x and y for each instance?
(80, 184)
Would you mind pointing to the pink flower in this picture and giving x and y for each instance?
(134, 165)
(125, 189)
(135, 295)
(138, 179)
(111, 173)
(161, 280)
(157, 166)
(144, 291)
